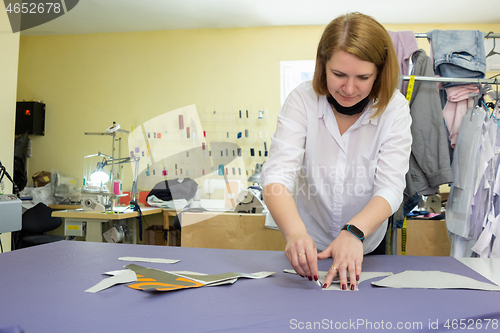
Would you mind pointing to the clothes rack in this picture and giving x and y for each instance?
(445, 79)
(488, 35)
(394, 234)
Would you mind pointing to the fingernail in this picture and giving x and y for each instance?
(352, 287)
(315, 278)
(310, 278)
(324, 286)
(344, 287)
(357, 277)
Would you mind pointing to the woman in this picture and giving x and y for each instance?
(342, 146)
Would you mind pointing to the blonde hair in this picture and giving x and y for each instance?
(362, 36)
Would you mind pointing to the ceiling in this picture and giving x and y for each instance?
(96, 16)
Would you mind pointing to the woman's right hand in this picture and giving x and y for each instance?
(300, 248)
(301, 252)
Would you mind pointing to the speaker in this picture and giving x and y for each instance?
(30, 117)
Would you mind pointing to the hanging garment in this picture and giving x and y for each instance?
(495, 224)
(430, 158)
(460, 247)
(495, 248)
(487, 245)
(458, 53)
(457, 105)
(464, 166)
(483, 245)
(405, 45)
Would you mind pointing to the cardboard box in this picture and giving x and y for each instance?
(41, 178)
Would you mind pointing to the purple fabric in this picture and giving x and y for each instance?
(405, 45)
(43, 291)
(11, 329)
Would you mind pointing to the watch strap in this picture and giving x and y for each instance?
(355, 231)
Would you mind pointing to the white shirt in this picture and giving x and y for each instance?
(334, 176)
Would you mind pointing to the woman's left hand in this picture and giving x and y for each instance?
(347, 253)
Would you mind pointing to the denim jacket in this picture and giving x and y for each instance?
(458, 53)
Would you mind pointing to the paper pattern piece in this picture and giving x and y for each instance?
(122, 276)
(335, 285)
(487, 267)
(209, 279)
(150, 279)
(196, 273)
(433, 280)
(154, 260)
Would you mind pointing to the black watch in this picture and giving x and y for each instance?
(355, 231)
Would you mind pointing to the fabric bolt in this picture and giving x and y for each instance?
(405, 45)
(458, 53)
(334, 176)
(456, 107)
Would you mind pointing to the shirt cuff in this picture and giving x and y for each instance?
(271, 179)
(392, 199)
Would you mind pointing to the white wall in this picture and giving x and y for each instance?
(9, 55)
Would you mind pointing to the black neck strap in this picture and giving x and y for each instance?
(350, 110)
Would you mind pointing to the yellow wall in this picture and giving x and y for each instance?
(9, 51)
(89, 81)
